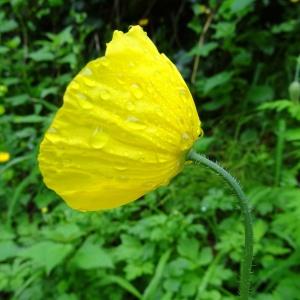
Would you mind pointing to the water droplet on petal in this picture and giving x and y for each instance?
(183, 95)
(86, 71)
(99, 138)
(120, 168)
(135, 123)
(132, 119)
(52, 130)
(52, 138)
(104, 94)
(120, 79)
(104, 61)
(83, 101)
(131, 64)
(130, 106)
(185, 136)
(136, 90)
(66, 162)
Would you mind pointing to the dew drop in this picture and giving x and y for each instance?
(131, 64)
(130, 106)
(84, 102)
(203, 208)
(185, 136)
(104, 61)
(183, 94)
(120, 79)
(66, 162)
(136, 90)
(135, 123)
(52, 138)
(99, 138)
(104, 94)
(52, 130)
(87, 71)
(132, 119)
(120, 168)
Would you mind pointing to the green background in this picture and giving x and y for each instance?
(183, 241)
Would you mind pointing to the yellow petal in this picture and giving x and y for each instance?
(4, 157)
(127, 121)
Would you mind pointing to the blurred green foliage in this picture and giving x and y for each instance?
(183, 241)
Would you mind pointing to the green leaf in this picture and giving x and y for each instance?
(188, 247)
(287, 26)
(63, 232)
(47, 254)
(260, 93)
(292, 134)
(42, 55)
(28, 119)
(18, 99)
(156, 280)
(109, 279)
(239, 5)
(91, 256)
(216, 80)
(203, 50)
(8, 25)
(224, 30)
(206, 256)
(8, 249)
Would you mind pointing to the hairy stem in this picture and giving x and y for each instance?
(246, 263)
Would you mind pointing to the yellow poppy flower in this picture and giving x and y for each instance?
(127, 122)
(4, 157)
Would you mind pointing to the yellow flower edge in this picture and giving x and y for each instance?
(125, 126)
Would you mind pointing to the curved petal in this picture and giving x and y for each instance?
(127, 120)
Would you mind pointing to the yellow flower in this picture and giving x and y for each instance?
(144, 22)
(4, 157)
(127, 122)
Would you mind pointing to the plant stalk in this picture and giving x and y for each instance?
(246, 264)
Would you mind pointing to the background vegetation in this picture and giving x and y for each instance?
(184, 240)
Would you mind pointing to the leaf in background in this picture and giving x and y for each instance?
(287, 26)
(47, 254)
(203, 144)
(18, 99)
(189, 248)
(206, 256)
(203, 50)
(238, 5)
(91, 256)
(156, 279)
(8, 25)
(195, 25)
(224, 30)
(42, 55)
(8, 249)
(28, 119)
(216, 80)
(292, 134)
(260, 93)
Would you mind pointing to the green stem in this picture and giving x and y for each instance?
(246, 264)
